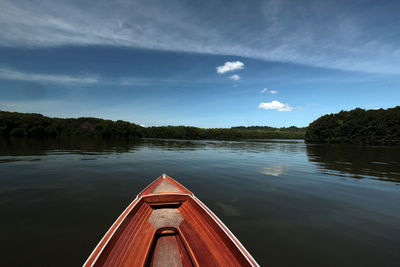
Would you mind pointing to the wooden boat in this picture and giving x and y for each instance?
(166, 225)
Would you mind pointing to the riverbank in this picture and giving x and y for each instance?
(29, 124)
(358, 126)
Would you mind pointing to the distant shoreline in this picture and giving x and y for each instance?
(358, 126)
(37, 125)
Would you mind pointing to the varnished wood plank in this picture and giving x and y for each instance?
(118, 246)
(216, 234)
(185, 257)
(216, 247)
(198, 235)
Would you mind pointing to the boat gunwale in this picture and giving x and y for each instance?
(111, 231)
(117, 223)
(115, 226)
(228, 232)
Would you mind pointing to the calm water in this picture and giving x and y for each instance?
(288, 203)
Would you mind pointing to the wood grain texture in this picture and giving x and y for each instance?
(171, 227)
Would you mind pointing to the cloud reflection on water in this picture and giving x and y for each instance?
(275, 170)
(227, 209)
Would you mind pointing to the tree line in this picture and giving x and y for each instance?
(357, 126)
(31, 124)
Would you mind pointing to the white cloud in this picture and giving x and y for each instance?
(234, 77)
(266, 91)
(275, 105)
(230, 66)
(10, 74)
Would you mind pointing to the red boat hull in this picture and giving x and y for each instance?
(166, 225)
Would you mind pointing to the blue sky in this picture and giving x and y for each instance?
(202, 63)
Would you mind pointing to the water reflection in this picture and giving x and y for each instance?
(358, 162)
(381, 163)
(73, 189)
(42, 146)
(275, 170)
(228, 209)
(92, 146)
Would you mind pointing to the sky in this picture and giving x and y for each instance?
(218, 63)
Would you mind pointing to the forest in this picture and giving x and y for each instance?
(31, 124)
(358, 126)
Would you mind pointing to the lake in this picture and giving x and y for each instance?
(288, 203)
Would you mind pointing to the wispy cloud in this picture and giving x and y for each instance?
(234, 77)
(315, 33)
(11, 74)
(267, 91)
(275, 105)
(230, 66)
(18, 75)
(137, 81)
